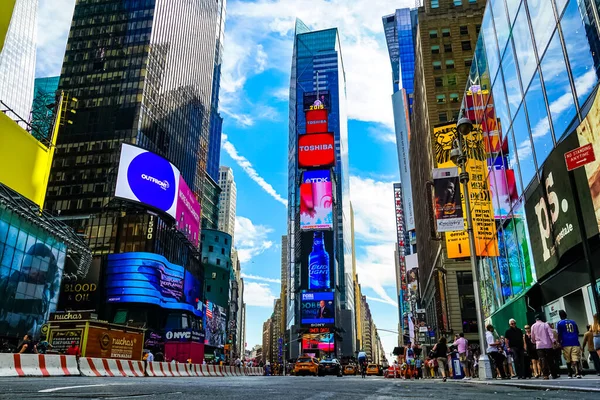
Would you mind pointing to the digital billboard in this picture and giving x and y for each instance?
(317, 260)
(150, 278)
(147, 178)
(323, 342)
(316, 121)
(316, 150)
(316, 201)
(316, 100)
(318, 309)
(215, 325)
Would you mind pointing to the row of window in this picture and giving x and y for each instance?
(455, 3)
(465, 45)
(437, 65)
(447, 32)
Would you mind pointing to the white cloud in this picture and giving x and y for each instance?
(385, 301)
(260, 278)
(250, 240)
(258, 294)
(54, 22)
(376, 269)
(249, 169)
(373, 203)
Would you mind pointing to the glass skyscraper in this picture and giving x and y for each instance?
(43, 105)
(317, 67)
(399, 34)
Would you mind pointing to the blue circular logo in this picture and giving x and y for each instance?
(152, 180)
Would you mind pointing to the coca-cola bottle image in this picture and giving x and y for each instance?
(318, 265)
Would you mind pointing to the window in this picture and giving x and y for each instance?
(217, 239)
(457, 3)
(226, 241)
(466, 45)
(437, 65)
(451, 80)
(211, 249)
(221, 290)
(473, 1)
(477, 29)
(223, 251)
(440, 98)
(435, 3)
(208, 288)
(447, 48)
(446, 32)
(449, 64)
(439, 82)
(433, 34)
(443, 117)
(468, 62)
(453, 97)
(435, 49)
(218, 261)
(464, 30)
(455, 115)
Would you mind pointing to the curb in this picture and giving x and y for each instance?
(533, 386)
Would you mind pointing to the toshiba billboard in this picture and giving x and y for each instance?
(316, 121)
(316, 150)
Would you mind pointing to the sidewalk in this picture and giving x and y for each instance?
(590, 383)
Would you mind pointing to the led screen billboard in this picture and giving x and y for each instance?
(318, 309)
(316, 150)
(316, 121)
(317, 260)
(147, 178)
(316, 100)
(323, 342)
(215, 324)
(316, 202)
(150, 278)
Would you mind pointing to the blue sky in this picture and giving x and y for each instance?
(254, 93)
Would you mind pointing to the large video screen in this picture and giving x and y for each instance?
(317, 260)
(316, 121)
(318, 309)
(147, 178)
(316, 200)
(316, 100)
(316, 150)
(215, 325)
(323, 342)
(150, 278)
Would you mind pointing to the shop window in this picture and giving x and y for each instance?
(466, 45)
(464, 30)
(446, 32)
(435, 49)
(433, 34)
(447, 48)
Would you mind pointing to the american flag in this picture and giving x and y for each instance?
(209, 313)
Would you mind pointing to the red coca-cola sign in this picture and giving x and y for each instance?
(316, 150)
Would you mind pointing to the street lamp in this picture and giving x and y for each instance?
(464, 127)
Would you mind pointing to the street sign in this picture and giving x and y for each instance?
(423, 329)
(579, 157)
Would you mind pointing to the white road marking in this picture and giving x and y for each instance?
(78, 387)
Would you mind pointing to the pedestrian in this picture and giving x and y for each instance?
(508, 362)
(568, 337)
(493, 351)
(532, 353)
(149, 356)
(515, 343)
(543, 338)
(556, 349)
(73, 350)
(588, 339)
(462, 345)
(596, 332)
(160, 357)
(43, 346)
(26, 346)
(440, 351)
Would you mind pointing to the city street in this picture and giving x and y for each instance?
(271, 388)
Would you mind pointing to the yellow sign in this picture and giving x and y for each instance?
(482, 211)
(6, 12)
(24, 161)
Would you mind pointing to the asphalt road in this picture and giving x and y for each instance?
(288, 388)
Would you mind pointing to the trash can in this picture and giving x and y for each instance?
(457, 371)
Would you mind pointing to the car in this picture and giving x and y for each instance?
(306, 365)
(330, 366)
(350, 369)
(373, 369)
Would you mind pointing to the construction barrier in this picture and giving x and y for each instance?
(37, 365)
(108, 367)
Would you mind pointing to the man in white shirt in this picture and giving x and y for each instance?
(493, 350)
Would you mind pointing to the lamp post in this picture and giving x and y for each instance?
(464, 127)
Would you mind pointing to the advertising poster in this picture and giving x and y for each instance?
(102, 343)
(316, 203)
(484, 225)
(188, 213)
(321, 342)
(150, 278)
(215, 324)
(316, 100)
(550, 211)
(316, 260)
(61, 339)
(412, 274)
(316, 121)
(77, 292)
(316, 150)
(318, 309)
(448, 207)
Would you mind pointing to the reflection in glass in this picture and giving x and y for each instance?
(560, 6)
(513, 8)
(538, 120)
(525, 248)
(500, 103)
(501, 23)
(511, 158)
(524, 151)
(524, 48)
(583, 63)
(503, 266)
(489, 38)
(511, 81)
(558, 87)
(542, 21)
(514, 258)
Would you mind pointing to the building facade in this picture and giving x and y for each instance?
(446, 36)
(532, 94)
(44, 100)
(210, 203)
(318, 81)
(227, 200)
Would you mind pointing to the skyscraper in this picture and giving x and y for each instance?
(17, 60)
(317, 121)
(227, 201)
(43, 106)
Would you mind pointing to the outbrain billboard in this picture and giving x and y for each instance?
(150, 278)
(316, 200)
(316, 150)
(317, 259)
(147, 178)
(318, 309)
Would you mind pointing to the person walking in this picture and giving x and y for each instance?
(27, 346)
(493, 351)
(532, 353)
(596, 333)
(462, 345)
(440, 351)
(568, 337)
(543, 337)
(588, 340)
(515, 344)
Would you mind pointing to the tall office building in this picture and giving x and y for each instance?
(17, 60)
(446, 36)
(227, 200)
(44, 99)
(319, 209)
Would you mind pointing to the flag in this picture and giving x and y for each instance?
(209, 313)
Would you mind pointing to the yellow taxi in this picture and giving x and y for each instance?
(373, 369)
(350, 369)
(306, 365)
